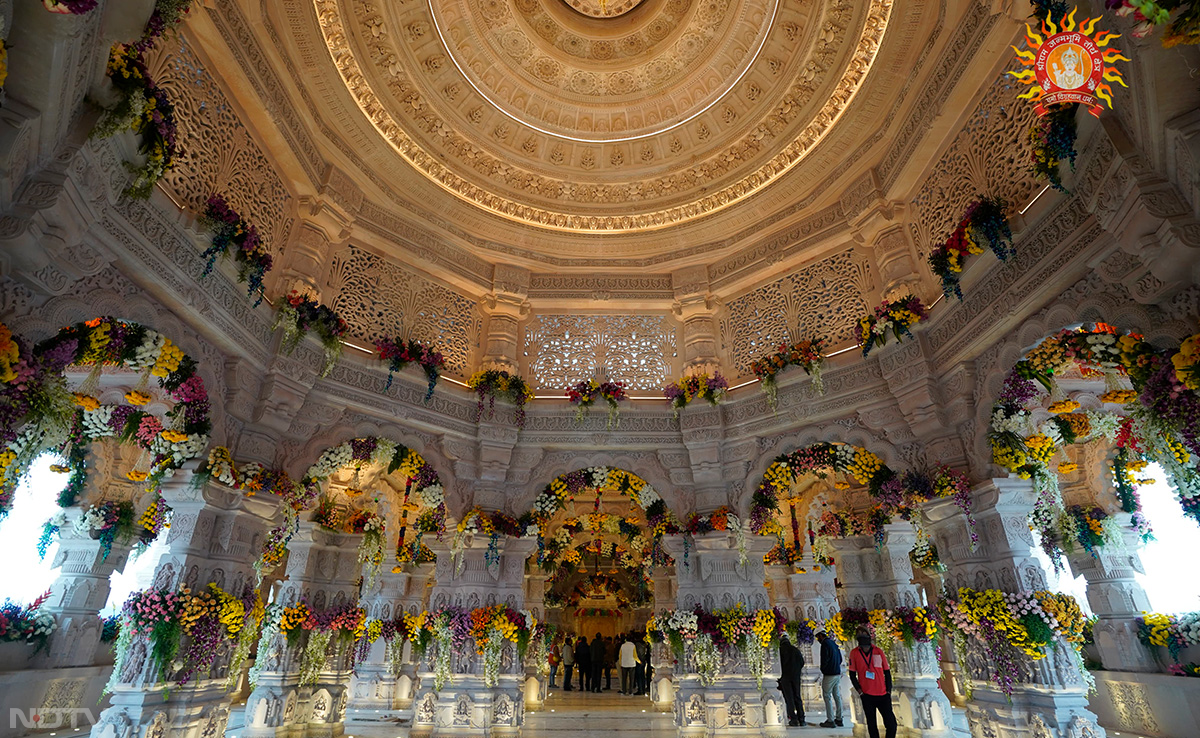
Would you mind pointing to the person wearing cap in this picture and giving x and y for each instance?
(791, 663)
(831, 680)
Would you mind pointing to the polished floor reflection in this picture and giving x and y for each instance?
(581, 715)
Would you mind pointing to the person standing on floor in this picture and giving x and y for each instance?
(610, 660)
(629, 662)
(554, 660)
(583, 660)
(567, 651)
(831, 680)
(642, 674)
(871, 675)
(791, 663)
(597, 661)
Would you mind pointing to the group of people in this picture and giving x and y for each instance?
(596, 660)
(870, 675)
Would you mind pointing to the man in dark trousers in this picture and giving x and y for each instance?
(871, 675)
(598, 660)
(642, 672)
(791, 662)
(583, 662)
(568, 660)
(831, 680)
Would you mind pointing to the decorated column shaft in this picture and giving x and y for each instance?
(1015, 687)
(876, 576)
(804, 591)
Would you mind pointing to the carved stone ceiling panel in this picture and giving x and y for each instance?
(562, 350)
(538, 112)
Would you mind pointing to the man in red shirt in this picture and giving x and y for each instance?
(871, 675)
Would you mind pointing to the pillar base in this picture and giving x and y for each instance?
(199, 710)
(1032, 713)
(733, 706)
(466, 708)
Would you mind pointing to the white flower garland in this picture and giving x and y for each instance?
(491, 658)
(707, 659)
(268, 642)
(443, 638)
(312, 663)
(370, 551)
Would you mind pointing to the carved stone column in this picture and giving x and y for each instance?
(695, 306)
(803, 591)
(716, 575)
(880, 577)
(79, 593)
(322, 569)
(323, 226)
(703, 431)
(466, 705)
(506, 306)
(1116, 599)
(378, 693)
(215, 536)
(1049, 696)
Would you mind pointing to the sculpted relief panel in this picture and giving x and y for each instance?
(217, 153)
(822, 299)
(638, 350)
(379, 298)
(990, 156)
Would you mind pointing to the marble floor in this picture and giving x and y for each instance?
(582, 715)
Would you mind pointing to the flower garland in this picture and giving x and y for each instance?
(696, 386)
(107, 522)
(399, 354)
(43, 418)
(1052, 140)
(145, 109)
(488, 384)
(490, 627)
(230, 229)
(28, 624)
(1159, 419)
(370, 551)
(752, 633)
(448, 628)
(1172, 632)
(1014, 625)
(299, 315)
(1148, 15)
(152, 522)
(808, 354)
(722, 519)
(892, 317)
(983, 223)
(346, 623)
(905, 625)
(493, 525)
(924, 554)
(584, 395)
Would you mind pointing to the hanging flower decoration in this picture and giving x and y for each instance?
(152, 522)
(27, 624)
(489, 384)
(478, 521)
(808, 354)
(585, 394)
(720, 520)
(143, 108)
(230, 229)
(702, 640)
(703, 386)
(1014, 627)
(1172, 632)
(399, 354)
(108, 522)
(892, 318)
(1148, 15)
(1157, 420)
(44, 406)
(1051, 142)
(905, 626)
(299, 315)
(983, 224)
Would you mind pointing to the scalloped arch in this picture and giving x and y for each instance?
(649, 469)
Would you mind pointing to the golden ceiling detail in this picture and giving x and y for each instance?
(603, 8)
(407, 81)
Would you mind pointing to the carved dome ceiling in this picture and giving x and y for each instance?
(613, 132)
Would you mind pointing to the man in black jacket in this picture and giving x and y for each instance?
(583, 660)
(791, 662)
(831, 680)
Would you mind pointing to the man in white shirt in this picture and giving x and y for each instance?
(629, 661)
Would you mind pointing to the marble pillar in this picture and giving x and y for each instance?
(214, 537)
(879, 576)
(475, 576)
(806, 591)
(1049, 695)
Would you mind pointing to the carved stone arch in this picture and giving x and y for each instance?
(1079, 304)
(341, 433)
(645, 465)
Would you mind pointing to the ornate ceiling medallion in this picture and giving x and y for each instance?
(603, 8)
(495, 118)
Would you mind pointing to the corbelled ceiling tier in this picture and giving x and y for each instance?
(627, 133)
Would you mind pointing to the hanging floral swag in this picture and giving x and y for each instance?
(108, 522)
(195, 624)
(299, 315)
(703, 386)
(144, 108)
(984, 223)
(230, 229)
(400, 354)
(27, 624)
(340, 625)
(41, 414)
(754, 634)
(488, 384)
(1052, 141)
(1158, 420)
(905, 626)
(585, 394)
(807, 354)
(720, 520)
(893, 318)
(1172, 632)
(478, 521)
(1148, 15)
(1014, 627)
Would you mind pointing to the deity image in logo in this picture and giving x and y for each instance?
(1069, 66)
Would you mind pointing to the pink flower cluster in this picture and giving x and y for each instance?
(151, 608)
